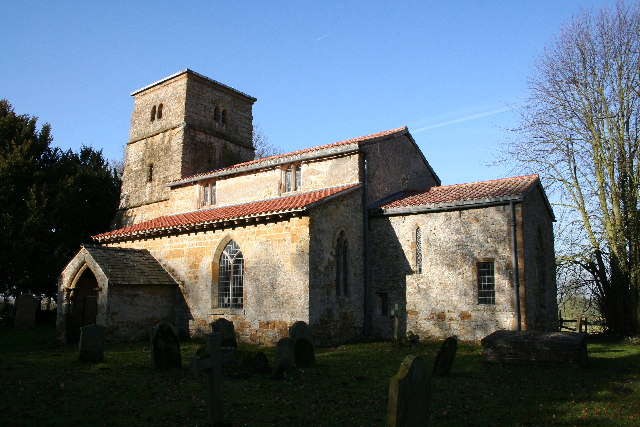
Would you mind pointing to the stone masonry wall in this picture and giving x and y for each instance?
(443, 300)
(134, 309)
(539, 264)
(336, 318)
(276, 271)
(394, 165)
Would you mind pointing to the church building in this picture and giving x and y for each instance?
(342, 236)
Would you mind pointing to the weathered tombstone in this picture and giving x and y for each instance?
(535, 347)
(285, 362)
(304, 351)
(26, 307)
(227, 332)
(256, 363)
(396, 313)
(92, 343)
(165, 346)
(210, 364)
(409, 394)
(445, 356)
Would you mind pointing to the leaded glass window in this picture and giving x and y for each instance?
(486, 283)
(418, 250)
(230, 280)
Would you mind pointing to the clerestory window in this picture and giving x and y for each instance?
(292, 178)
(208, 194)
(486, 283)
(230, 279)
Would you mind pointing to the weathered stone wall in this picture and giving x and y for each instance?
(539, 264)
(336, 318)
(393, 165)
(276, 271)
(443, 300)
(134, 309)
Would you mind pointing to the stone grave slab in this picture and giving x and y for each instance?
(535, 347)
(91, 345)
(445, 356)
(165, 346)
(304, 347)
(26, 307)
(285, 362)
(227, 332)
(409, 394)
(210, 364)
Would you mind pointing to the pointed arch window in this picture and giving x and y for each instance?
(230, 279)
(342, 264)
(418, 250)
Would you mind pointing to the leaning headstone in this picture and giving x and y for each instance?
(26, 307)
(285, 362)
(210, 364)
(409, 394)
(92, 343)
(165, 346)
(304, 352)
(535, 347)
(445, 356)
(227, 332)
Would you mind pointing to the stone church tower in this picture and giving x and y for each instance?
(182, 125)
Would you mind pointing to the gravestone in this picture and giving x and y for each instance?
(227, 332)
(535, 347)
(256, 363)
(304, 349)
(210, 364)
(409, 394)
(445, 356)
(285, 362)
(92, 343)
(26, 307)
(165, 346)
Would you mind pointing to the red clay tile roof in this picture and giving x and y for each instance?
(455, 194)
(189, 220)
(272, 159)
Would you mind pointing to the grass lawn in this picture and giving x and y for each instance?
(43, 383)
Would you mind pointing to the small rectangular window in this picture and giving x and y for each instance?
(486, 283)
(292, 179)
(384, 303)
(209, 194)
(418, 251)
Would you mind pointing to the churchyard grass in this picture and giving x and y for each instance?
(43, 383)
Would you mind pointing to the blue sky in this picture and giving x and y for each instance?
(451, 71)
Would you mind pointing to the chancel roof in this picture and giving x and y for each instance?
(124, 266)
(223, 215)
(474, 193)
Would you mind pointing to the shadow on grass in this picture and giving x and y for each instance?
(45, 384)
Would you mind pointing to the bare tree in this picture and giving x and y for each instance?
(580, 130)
(262, 145)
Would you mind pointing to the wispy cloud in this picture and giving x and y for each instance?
(463, 119)
(322, 37)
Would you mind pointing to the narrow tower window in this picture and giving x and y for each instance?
(224, 117)
(153, 113)
(150, 172)
(159, 113)
(216, 113)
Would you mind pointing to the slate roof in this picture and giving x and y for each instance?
(192, 220)
(292, 156)
(483, 192)
(129, 266)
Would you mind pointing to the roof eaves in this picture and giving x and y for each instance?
(445, 206)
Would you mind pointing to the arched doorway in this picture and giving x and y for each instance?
(83, 305)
